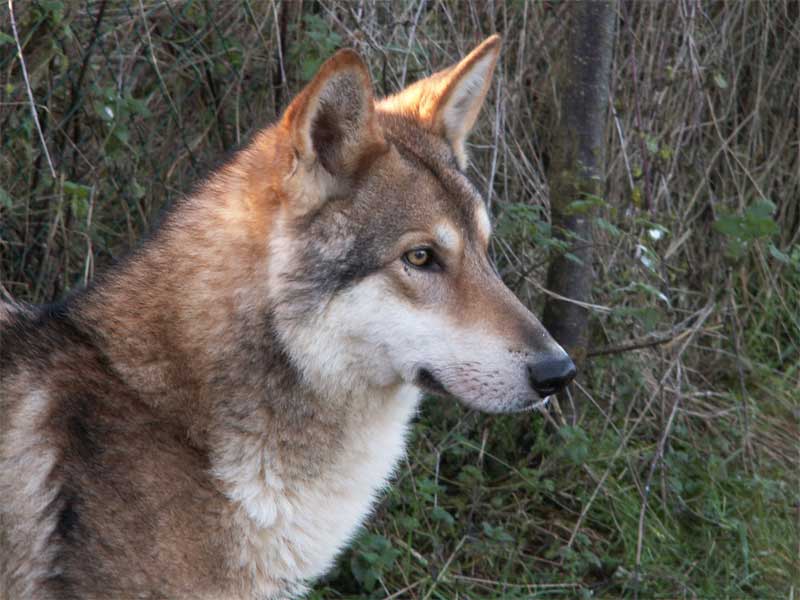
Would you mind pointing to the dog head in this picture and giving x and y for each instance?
(379, 264)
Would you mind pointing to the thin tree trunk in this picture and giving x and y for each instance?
(577, 166)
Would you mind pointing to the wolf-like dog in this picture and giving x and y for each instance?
(213, 417)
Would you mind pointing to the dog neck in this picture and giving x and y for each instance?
(189, 323)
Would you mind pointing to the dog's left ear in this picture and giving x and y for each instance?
(332, 122)
(448, 102)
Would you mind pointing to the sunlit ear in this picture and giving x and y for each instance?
(332, 121)
(449, 101)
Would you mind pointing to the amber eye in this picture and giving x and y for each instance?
(419, 257)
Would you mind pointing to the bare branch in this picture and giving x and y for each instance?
(28, 88)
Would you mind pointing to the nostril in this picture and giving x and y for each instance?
(551, 375)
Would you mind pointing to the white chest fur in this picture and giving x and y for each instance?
(292, 531)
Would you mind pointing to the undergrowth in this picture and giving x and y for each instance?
(672, 468)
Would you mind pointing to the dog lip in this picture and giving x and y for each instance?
(426, 380)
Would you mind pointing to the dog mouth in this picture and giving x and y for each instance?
(430, 384)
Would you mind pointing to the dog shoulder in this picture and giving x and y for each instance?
(41, 350)
(84, 465)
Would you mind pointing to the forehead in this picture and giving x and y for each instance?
(420, 185)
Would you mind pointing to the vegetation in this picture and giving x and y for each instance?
(672, 470)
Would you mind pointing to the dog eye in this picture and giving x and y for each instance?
(419, 257)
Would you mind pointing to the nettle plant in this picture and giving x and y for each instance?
(741, 231)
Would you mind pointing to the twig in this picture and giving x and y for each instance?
(648, 200)
(497, 125)
(647, 486)
(411, 39)
(408, 588)
(636, 345)
(164, 87)
(76, 88)
(589, 305)
(28, 88)
(745, 409)
(279, 30)
(701, 319)
(524, 586)
(444, 568)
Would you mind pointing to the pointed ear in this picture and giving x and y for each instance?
(449, 101)
(332, 121)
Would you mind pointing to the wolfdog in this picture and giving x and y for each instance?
(214, 416)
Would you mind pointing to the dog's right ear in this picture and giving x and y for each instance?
(332, 122)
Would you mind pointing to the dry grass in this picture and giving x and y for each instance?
(678, 476)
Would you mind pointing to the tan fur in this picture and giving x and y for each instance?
(214, 417)
(429, 100)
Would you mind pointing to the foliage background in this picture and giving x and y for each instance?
(673, 471)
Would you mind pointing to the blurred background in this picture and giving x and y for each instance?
(671, 471)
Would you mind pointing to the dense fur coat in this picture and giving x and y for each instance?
(213, 417)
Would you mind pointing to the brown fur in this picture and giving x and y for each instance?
(129, 412)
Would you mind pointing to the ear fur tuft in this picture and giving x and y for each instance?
(448, 102)
(332, 122)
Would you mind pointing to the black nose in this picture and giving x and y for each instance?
(550, 375)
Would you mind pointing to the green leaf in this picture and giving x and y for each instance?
(720, 81)
(471, 475)
(409, 523)
(373, 556)
(573, 258)
(78, 198)
(51, 5)
(756, 222)
(440, 515)
(5, 199)
(636, 196)
(320, 41)
(428, 488)
(651, 143)
(763, 208)
(309, 67)
(77, 190)
(736, 248)
(497, 534)
(784, 258)
(607, 227)
(138, 107)
(584, 205)
(6, 39)
(137, 190)
(121, 133)
(80, 207)
(729, 225)
(576, 444)
(652, 291)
